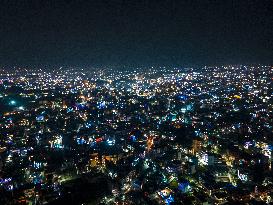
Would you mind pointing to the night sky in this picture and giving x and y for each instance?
(135, 33)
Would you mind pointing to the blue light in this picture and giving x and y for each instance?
(197, 133)
(101, 105)
(92, 144)
(184, 186)
(70, 109)
(169, 199)
(40, 118)
(88, 124)
(80, 106)
(182, 97)
(12, 102)
(133, 138)
(134, 163)
(110, 142)
(81, 141)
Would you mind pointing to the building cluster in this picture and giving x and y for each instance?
(143, 136)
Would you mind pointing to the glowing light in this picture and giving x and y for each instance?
(243, 177)
(40, 118)
(21, 108)
(110, 142)
(12, 102)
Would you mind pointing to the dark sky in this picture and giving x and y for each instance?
(137, 32)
